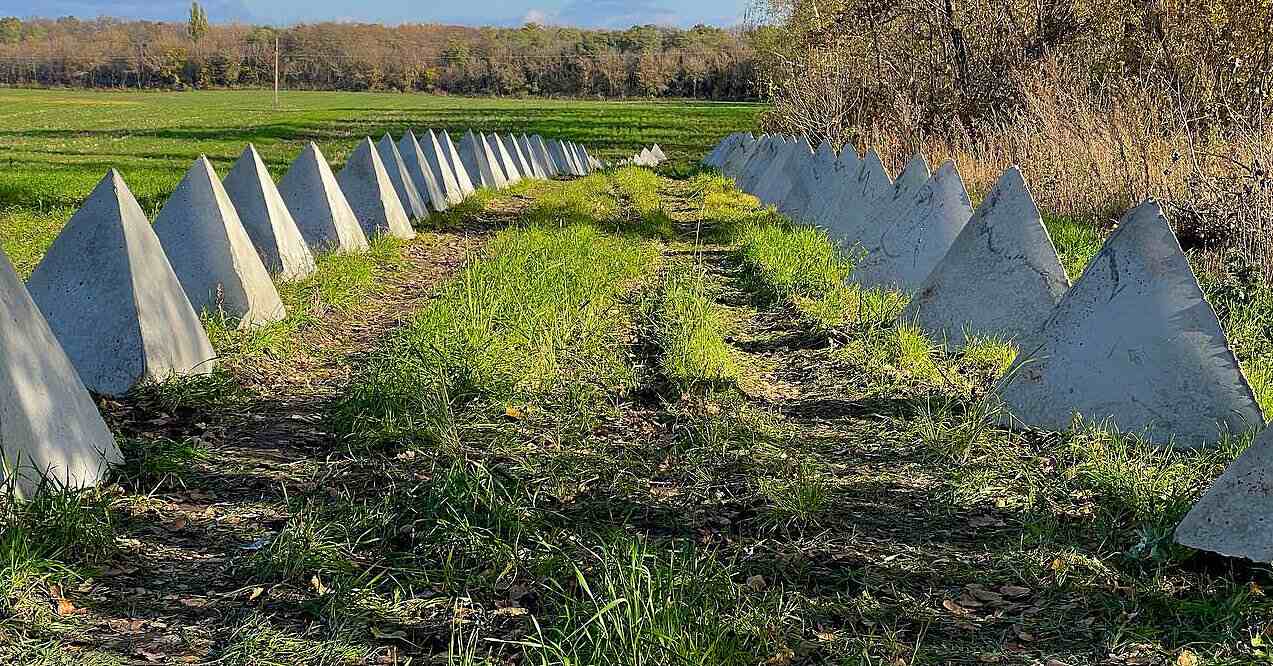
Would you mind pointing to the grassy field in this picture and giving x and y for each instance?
(58, 144)
(624, 419)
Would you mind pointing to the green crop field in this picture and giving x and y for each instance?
(57, 144)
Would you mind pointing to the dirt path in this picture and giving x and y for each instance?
(177, 586)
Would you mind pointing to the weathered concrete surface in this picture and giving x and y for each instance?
(319, 206)
(716, 157)
(211, 253)
(1134, 346)
(370, 193)
(462, 175)
(537, 165)
(49, 425)
(777, 183)
(1235, 516)
(519, 158)
(427, 181)
(440, 166)
(903, 255)
(112, 300)
(563, 150)
(1001, 278)
(885, 208)
(758, 162)
(857, 188)
(810, 178)
(737, 158)
(266, 218)
(479, 162)
(658, 153)
(400, 176)
(512, 174)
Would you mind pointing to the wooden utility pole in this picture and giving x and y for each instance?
(276, 71)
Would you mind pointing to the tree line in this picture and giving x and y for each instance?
(643, 61)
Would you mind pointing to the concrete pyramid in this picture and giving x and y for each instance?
(370, 193)
(739, 156)
(581, 162)
(658, 153)
(809, 178)
(504, 158)
(519, 158)
(771, 147)
(532, 157)
(473, 157)
(904, 254)
(780, 177)
(848, 210)
(211, 252)
(1002, 276)
(502, 177)
(545, 153)
(585, 161)
(879, 210)
(1134, 344)
(50, 425)
(319, 206)
(440, 167)
(713, 157)
(426, 179)
(558, 154)
(112, 300)
(462, 176)
(412, 202)
(1235, 516)
(266, 218)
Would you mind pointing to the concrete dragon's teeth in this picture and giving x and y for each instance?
(266, 218)
(112, 299)
(1001, 278)
(413, 203)
(212, 254)
(1135, 347)
(319, 206)
(371, 195)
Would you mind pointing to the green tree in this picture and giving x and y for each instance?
(197, 27)
(10, 30)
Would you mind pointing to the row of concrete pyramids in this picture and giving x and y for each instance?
(116, 300)
(1133, 345)
(648, 157)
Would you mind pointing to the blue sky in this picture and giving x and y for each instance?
(588, 13)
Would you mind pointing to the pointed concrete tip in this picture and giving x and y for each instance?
(1135, 345)
(110, 296)
(1235, 516)
(266, 218)
(1000, 279)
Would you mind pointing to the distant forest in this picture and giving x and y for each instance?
(644, 61)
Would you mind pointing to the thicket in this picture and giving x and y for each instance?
(1101, 103)
(643, 61)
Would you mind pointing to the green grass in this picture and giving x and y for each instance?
(689, 328)
(59, 143)
(538, 321)
(340, 282)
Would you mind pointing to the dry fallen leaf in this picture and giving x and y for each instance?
(318, 586)
(65, 607)
(178, 524)
(950, 605)
(255, 592)
(1186, 658)
(757, 583)
(514, 413)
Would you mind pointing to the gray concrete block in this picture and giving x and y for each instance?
(1134, 346)
(112, 299)
(319, 206)
(519, 158)
(1001, 278)
(1235, 516)
(546, 153)
(508, 165)
(370, 194)
(266, 218)
(810, 178)
(436, 157)
(427, 181)
(738, 157)
(212, 254)
(415, 204)
(902, 255)
(462, 175)
(527, 146)
(49, 426)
